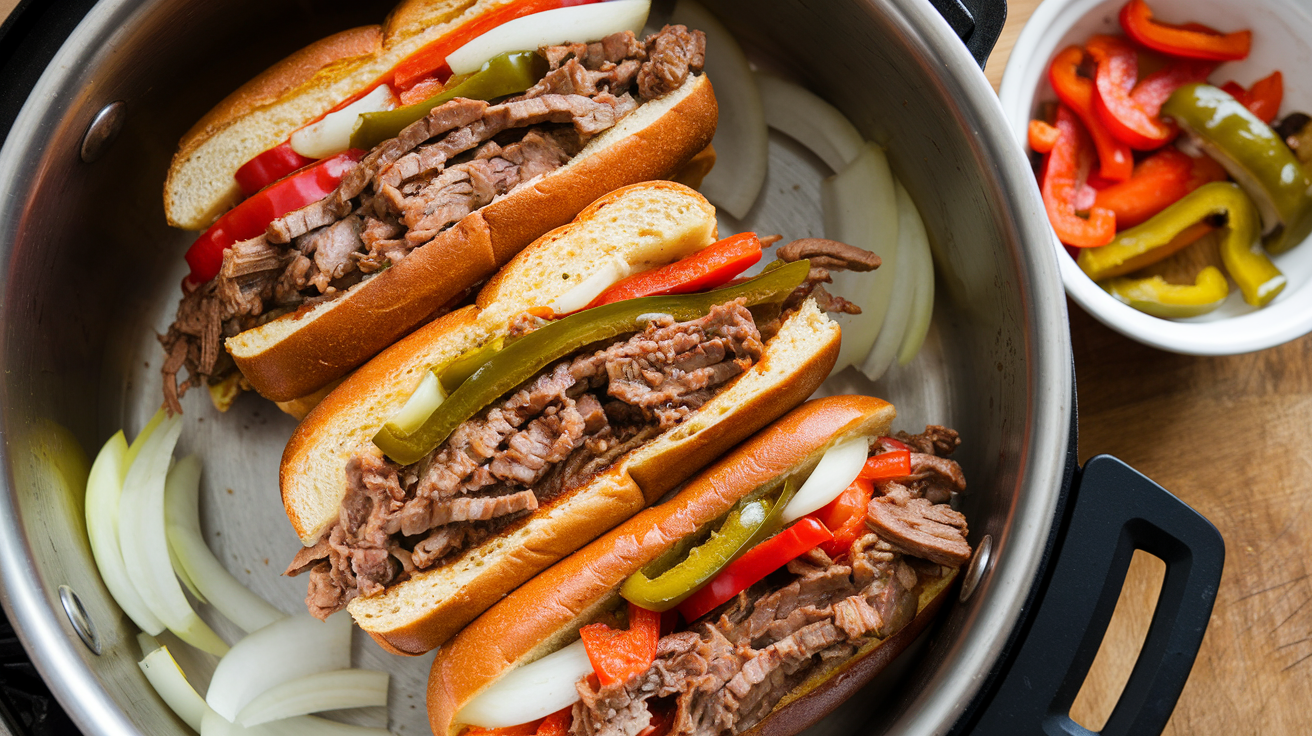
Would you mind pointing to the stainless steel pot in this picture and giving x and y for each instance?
(90, 270)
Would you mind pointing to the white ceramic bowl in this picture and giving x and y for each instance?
(1282, 39)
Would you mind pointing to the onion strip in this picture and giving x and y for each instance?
(581, 295)
(910, 233)
(806, 118)
(285, 650)
(215, 725)
(860, 208)
(144, 542)
(528, 693)
(178, 569)
(741, 140)
(315, 693)
(332, 134)
(168, 679)
(582, 23)
(840, 466)
(182, 512)
(922, 307)
(104, 487)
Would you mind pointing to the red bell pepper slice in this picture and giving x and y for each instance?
(1263, 98)
(422, 90)
(887, 466)
(1156, 88)
(1063, 171)
(1042, 137)
(759, 561)
(556, 724)
(1206, 170)
(892, 443)
(269, 167)
(846, 516)
(431, 59)
(1192, 41)
(1115, 161)
(708, 268)
(1118, 68)
(617, 655)
(1158, 182)
(251, 217)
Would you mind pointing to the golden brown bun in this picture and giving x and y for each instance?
(263, 112)
(645, 225)
(546, 612)
(295, 355)
(419, 614)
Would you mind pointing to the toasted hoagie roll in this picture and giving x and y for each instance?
(323, 264)
(765, 642)
(420, 512)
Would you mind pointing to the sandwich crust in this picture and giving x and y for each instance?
(297, 354)
(544, 614)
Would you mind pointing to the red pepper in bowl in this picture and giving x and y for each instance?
(1064, 170)
(1114, 81)
(1115, 162)
(1192, 41)
(1263, 98)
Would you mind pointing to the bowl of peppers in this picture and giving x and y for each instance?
(1174, 157)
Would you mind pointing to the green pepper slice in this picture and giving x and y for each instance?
(750, 522)
(1253, 154)
(506, 74)
(521, 360)
(459, 370)
(1172, 301)
(1258, 278)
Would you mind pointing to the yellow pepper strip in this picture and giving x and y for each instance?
(1172, 301)
(1258, 278)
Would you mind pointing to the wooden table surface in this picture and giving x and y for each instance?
(1225, 435)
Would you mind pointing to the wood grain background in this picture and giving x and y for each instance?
(1226, 436)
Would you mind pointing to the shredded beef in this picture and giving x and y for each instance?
(423, 181)
(728, 671)
(825, 255)
(934, 531)
(554, 433)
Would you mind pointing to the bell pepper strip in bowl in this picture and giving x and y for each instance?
(1114, 80)
(1062, 180)
(1155, 296)
(804, 535)
(1151, 92)
(1192, 42)
(713, 266)
(1115, 162)
(1042, 136)
(1159, 181)
(1253, 154)
(616, 654)
(248, 219)
(1258, 278)
(1263, 98)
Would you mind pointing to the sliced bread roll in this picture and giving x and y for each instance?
(644, 225)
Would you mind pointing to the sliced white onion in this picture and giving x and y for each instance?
(332, 134)
(860, 208)
(910, 232)
(315, 693)
(215, 725)
(164, 674)
(134, 449)
(176, 563)
(922, 308)
(528, 693)
(182, 517)
(610, 271)
(421, 405)
(147, 643)
(292, 647)
(144, 542)
(104, 487)
(578, 24)
(832, 475)
(741, 139)
(803, 116)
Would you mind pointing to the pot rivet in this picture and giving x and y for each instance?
(103, 130)
(979, 564)
(77, 615)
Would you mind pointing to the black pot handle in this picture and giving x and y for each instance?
(29, 38)
(978, 23)
(1116, 511)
